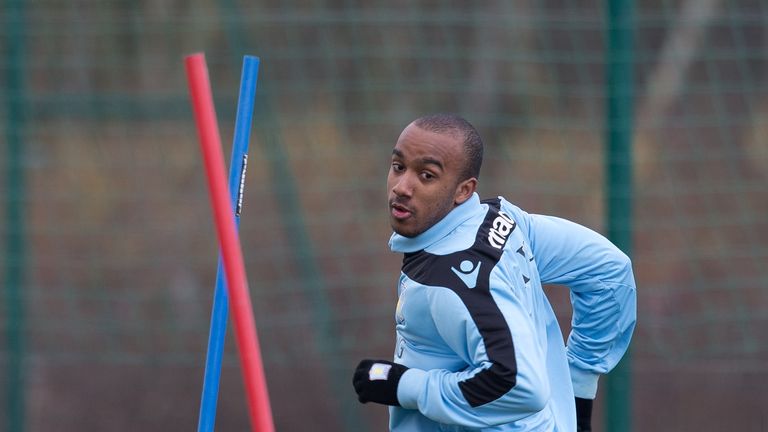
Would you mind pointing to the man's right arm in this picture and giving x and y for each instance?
(496, 387)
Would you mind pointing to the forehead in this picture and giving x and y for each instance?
(418, 143)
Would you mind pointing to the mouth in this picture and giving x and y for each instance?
(399, 211)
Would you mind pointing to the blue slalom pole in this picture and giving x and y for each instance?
(220, 310)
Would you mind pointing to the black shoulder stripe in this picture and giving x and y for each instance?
(467, 273)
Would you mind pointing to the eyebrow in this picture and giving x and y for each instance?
(424, 161)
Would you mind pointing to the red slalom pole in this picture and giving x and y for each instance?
(231, 252)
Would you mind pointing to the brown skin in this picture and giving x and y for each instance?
(424, 179)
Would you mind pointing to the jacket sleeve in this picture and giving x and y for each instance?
(602, 293)
(491, 389)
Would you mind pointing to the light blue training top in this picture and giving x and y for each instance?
(478, 333)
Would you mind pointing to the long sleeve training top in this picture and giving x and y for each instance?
(478, 333)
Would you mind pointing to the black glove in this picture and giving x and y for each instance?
(583, 415)
(376, 381)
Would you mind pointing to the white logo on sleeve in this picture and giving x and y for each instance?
(379, 372)
(500, 229)
(468, 273)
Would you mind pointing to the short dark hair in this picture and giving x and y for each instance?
(455, 124)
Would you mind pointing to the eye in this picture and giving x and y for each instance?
(427, 176)
(397, 167)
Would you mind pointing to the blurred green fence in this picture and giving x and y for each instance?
(107, 248)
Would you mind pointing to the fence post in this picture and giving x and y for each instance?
(618, 183)
(14, 217)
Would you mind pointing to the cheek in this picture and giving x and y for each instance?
(441, 201)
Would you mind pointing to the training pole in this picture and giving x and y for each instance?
(231, 254)
(220, 311)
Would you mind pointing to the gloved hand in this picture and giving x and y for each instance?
(377, 380)
(583, 415)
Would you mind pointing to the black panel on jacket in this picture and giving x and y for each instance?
(479, 260)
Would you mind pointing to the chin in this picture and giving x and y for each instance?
(405, 232)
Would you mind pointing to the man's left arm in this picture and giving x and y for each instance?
(603, 295)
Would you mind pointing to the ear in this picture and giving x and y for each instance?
(464, 191)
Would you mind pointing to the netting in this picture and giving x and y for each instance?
(108, 248)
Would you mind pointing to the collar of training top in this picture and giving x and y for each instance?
(439, 230)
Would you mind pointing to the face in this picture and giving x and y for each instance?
(423, 181)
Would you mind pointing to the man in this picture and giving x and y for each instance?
(478, 345)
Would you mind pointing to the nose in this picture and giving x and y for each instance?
(403, 186)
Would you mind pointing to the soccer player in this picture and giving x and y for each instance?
(478, 346)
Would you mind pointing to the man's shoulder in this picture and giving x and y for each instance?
(512, 210)
(502, 203)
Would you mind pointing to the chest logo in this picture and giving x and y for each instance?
(468, 272)
(399, 317)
